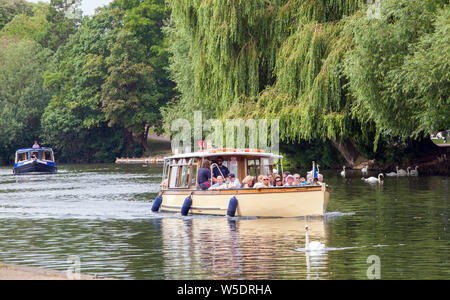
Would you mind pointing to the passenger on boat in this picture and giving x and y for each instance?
(247, 183)
(34, 155)
(165, 184)
(221, 171)
(278, 181)
(303, 181)
(285, 175)
(204, 176)
(233, 182)
(220, 185)
(263, 182)
(266, 181)
(36, 145)
(290, 180)
(259, 184)
(271, 180)
(297, 179)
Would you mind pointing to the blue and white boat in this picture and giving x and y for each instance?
(34, 160)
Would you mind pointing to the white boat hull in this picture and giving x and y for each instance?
(268, 202)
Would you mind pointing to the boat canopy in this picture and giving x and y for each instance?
(25, 150)
(181, 170)
(223, 152)
(26, 154)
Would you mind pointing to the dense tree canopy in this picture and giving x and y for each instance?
(327, 69)
(399, 68)
(23, 96)
(341, 76)
(10, 8)
(267, 59)
(106, 75)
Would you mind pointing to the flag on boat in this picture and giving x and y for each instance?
(314, 171)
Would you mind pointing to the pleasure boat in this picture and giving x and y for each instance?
(34, 160)
(181, 193)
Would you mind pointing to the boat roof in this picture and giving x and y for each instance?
(34, 149)
(216, 153)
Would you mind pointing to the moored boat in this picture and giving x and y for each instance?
(182, 193)
(34, 160)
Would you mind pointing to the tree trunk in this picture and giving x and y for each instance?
(349, 151)
(128, 137)
(143, 140)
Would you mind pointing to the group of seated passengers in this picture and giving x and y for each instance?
(223, 179)
(275, 180)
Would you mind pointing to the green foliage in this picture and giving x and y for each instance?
(265, 59)
(23, 97)
(107, 88)
(74, 122)
(326, 69)
(63, 18)
(49, 24)
(10, 8)
(300, 156)
(426, 77)
(28, 26)
(398, 69)
(130, 97)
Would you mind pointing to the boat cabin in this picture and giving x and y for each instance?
(180, 171)
(44, 154)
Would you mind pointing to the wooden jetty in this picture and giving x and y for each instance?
(142, 160)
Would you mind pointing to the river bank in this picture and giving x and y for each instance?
(17, 272)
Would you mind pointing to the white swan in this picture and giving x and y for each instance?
(392, 174)
(365, 170)
(373, 179)
(414, 172)
(343, 172)
(401, 172)
(312, 246)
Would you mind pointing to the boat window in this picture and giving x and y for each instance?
(253, 167)
(184, 178)
(173, 176)
(194, 173)
(47, 155)
(266, 166)
(234, 167)
(166, 170)
(22, 157)
(179, 173)
(35, 155)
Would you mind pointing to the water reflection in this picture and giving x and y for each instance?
(221, 248)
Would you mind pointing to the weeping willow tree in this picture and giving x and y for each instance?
(398, 70)
(279, 59)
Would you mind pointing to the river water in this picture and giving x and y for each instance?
(101, 215)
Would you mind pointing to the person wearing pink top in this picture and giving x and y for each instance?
(36, 145)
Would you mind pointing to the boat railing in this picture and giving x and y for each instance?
(217, 166)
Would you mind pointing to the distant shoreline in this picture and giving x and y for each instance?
(19, 272)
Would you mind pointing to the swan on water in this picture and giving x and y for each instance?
(392, 174)
(401, 172)
(343, 172)
(414, 172)
(373, 179)
(312, 246)
(365, 170)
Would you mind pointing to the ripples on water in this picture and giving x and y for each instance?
(101, 213)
